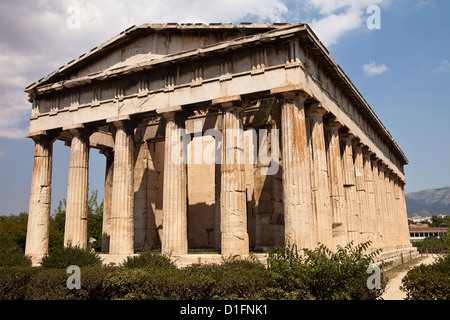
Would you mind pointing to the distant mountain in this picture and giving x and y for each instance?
(428, 202)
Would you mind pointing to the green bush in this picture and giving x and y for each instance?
(12, 255)
(51, 284)
(14, 282)
(290, 274)
(62, 257)
(232, 280)
(149, 260)
(321, 273)
(433, 245)
(429, 282)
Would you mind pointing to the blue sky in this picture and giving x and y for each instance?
(402, 70)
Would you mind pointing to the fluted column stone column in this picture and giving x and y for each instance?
(122, 205)
(107, 199)
(36, 245)
(390, 230)
(396, 231)
(319, 175)
(234, 240)
(380, 224)
(370, 197)
(360, 183)
(75, 233)
(336, 183)
(296, 175)
(350, 188)
(174, 235)
(404, 213)
(383, 208)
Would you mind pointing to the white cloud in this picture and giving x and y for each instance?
(422, 3)
(372, 69)
(444, 66)
(35, 38)
(338, 17)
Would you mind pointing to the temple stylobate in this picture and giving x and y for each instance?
(220, 136)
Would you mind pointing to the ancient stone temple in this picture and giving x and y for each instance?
(221, 136)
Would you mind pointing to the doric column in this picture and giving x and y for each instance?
(122, 205)
(350, 188)
(370, 197)
(404, 213)
(389, 210)
(380, 225)
(319, 175)
(107, 199)
(297, 202)
(336, 183)
(75, 233)
(395, 222)
(233, 204)
(40, 198)
(360, 183)
(174, 239)
(383, 204)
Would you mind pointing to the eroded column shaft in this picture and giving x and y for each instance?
(174, 240)
(77, 190)
(336, 185)
(122, 205)
(353, 227)
(40, 199)
(319, 176)
(360, 183)
(298, 210)
(233, 225)
(107, 202)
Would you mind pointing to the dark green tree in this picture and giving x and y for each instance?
(14, 229)
(94, 221)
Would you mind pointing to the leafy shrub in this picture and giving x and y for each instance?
(13, 228)
(232, 280)
(428, 282)
(62, 257)
(12, 255)
(149, 260)
(436, 245)
(51, 284)
(321, 273)
(14, 282)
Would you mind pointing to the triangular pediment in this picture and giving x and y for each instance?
(150, 42)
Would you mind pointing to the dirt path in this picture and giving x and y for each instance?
(393, 291)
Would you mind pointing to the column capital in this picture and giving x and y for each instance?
(42, 135)
(228, 101)
(367, 151)
(174, 113)
(382, 166)
(316, 109)
(290, 92)
(122, 121)
(332, 123)
(346, 135)
(79, 129)
(356, 142)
